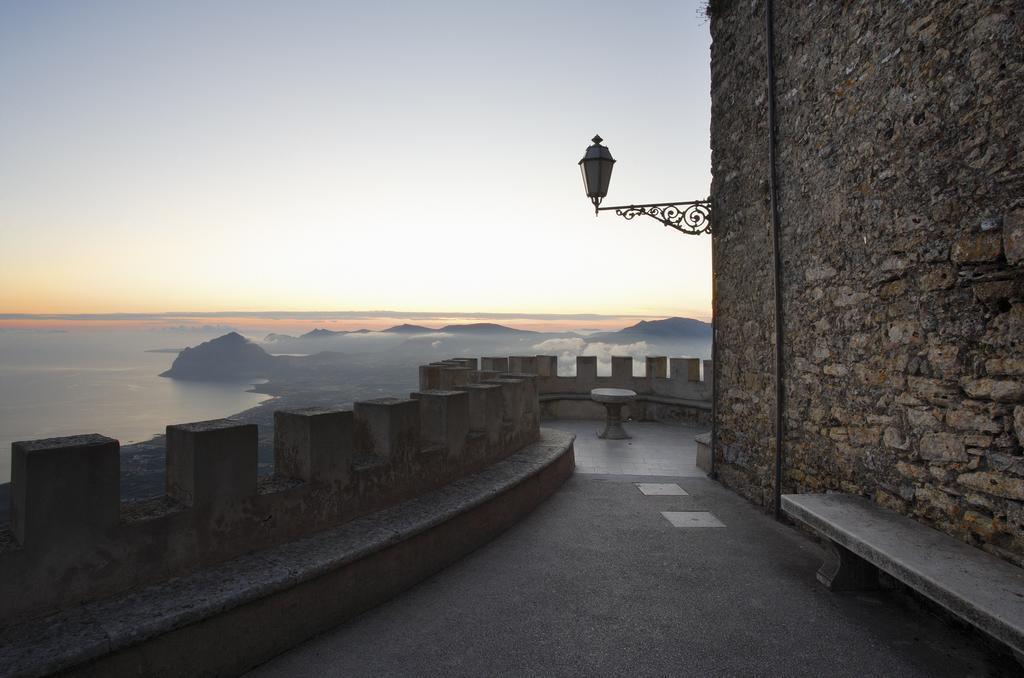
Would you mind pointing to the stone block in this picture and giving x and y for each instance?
(1018, 424)
(494, 364)
(210, 461)
(512, 404)
(1005, 366)
(430, 377)
(63, 488)
(996, 291)
(470, 363)
(938, 277)
(523, 364)
(942, 447)
(924, 418)
(444, 419)
(1013, 237)
(657, 367)
(586, 367)
(685, 369)
(967, 420)
(995, 484)
(999, 390)
(976, 248)
(528, 390)
(547, 366)
(453, 376)
(313, 444)
(485, 408)
(622, 368)
(386, 428)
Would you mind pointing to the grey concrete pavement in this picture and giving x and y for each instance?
(598, 582)
(654, 449)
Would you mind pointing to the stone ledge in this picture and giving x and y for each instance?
(984, 591)
(144, 630)
(704, 461)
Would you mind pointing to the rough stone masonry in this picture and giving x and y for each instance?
(901, 198)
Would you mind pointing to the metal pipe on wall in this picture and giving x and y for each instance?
(769, 23)
(713, 473)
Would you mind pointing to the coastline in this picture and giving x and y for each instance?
(143, 463)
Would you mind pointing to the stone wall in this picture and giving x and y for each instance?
(901, 199)
(676, 390)
(71, 540)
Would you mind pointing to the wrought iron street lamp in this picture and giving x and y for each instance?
(596, 167)
(692, 217)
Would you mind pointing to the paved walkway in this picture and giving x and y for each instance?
(627, 575)
(655, 449)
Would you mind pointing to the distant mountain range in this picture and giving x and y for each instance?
(669, 329)
(233, 357)
(469, 328)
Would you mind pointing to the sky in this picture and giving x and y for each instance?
(338, 156)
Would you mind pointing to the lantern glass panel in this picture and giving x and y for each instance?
(605, 172)
(592, 177)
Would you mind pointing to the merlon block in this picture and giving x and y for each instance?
(211, 461)
(524, 364)
(453, 376)
(313, 444)
(62, 487)
(547, 366)
(622, 367)
(512, 401)
(686, 369)
(494, 364)
(386, 428)
(430, 376)
(444, 419)
(586, 367)
(657, 367)
(485, 406)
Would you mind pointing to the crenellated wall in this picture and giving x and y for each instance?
(669, 390)
(71, 540)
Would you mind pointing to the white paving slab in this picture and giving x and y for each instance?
(692, 519)
(658, 489)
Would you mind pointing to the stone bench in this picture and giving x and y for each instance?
(980, 589)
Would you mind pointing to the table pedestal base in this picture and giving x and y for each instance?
(613, 424)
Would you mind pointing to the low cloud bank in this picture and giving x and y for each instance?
(568, 348)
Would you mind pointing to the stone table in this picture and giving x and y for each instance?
(613, 399)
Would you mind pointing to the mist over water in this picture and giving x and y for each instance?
(96, 381)
(106, 379)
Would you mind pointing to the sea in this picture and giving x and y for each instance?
(58, 383)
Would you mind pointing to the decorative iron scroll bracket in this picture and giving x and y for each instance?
(691, 218)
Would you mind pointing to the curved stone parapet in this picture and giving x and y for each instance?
(671, 389)
(240, 613)
(71, 539)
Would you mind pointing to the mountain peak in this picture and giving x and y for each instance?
(406, 328)
(229, 356)
(320, 333)
(481, 328)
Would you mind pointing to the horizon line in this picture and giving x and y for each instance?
(351, 315)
